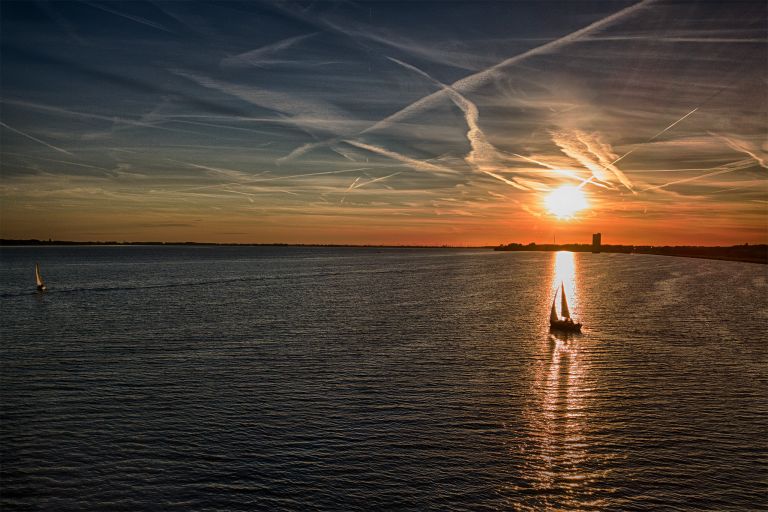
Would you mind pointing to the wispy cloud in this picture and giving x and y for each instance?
(264, 55)
(590, 151)
(475, 80)
(483, 156)
(745, 146)
(414, 163)
(137, 19)
(727, 168)
(438, 53)
(112, 120)
(303, 111)
(374, 180)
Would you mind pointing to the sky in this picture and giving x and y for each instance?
(384, 122)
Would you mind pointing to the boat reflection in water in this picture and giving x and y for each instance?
(562, 472)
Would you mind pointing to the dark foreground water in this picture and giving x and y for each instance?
(162, 378)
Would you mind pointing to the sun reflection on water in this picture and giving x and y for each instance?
(561, 470)
(565, 272)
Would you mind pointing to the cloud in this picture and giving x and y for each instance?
(483, 156)
(263, 55)
(419, 165)
(434, 52)
(730, 167)
(313, 114)
(475, 80)
(356, 185)
(745, 146)
(506, 180)
(113, 120)
(137, 19)
(591, 152)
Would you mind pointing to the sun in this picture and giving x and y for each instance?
(565, 201)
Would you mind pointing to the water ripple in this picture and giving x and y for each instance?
(339, 379)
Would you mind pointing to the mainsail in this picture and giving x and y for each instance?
(38, 279)
(564, 303)
(553, 314)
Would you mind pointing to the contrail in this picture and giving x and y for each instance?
(253, 57)
(741, 147)
(382, 178)
(673, 124)
(137, 19)
(592, 178)
(505, 180)
(736, 166)
(482, 152)
(475, 80)
(711, 97)
(275, 178)
(414, 163)
(36, 139)
(564, 172)
(655, 136)
(352, 185)
(106, 171)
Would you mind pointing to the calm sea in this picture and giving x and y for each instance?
(258, 378)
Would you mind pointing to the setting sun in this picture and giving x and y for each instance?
(565, 201)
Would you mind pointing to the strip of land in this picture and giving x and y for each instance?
(757, 253)
(34, 242)
(746, 253)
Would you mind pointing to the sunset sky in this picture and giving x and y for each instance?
(384, 122)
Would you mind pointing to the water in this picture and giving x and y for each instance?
(233, 378)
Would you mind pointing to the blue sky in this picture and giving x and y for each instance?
(383, 122)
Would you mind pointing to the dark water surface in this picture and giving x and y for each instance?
(235, 378)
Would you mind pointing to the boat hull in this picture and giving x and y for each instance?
(563, 325)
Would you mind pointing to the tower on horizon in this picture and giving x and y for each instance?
(596, 240)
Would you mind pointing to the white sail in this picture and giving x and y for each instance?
(564, 303)
(553, 314)
(38, 279)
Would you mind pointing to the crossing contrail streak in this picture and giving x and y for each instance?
(591, 179)
(36, 139)
(735, 166)
(673, 124)
(475, 80)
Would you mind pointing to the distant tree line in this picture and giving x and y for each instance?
(749, 253)
(34, 241)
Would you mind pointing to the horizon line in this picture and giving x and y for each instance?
(36, 241)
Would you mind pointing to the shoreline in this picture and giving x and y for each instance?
(67, 243)
(742, 253)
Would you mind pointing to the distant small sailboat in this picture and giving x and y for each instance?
(566, 323)
(39, 280)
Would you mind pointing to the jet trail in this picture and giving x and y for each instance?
(736, 166)
(36, 139)
(477, 79)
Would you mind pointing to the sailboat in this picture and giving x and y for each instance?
(565, 323)
(39, 280)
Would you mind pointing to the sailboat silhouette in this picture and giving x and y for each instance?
(565, 323)
(39, 280)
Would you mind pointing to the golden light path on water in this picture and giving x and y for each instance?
(558, 413)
